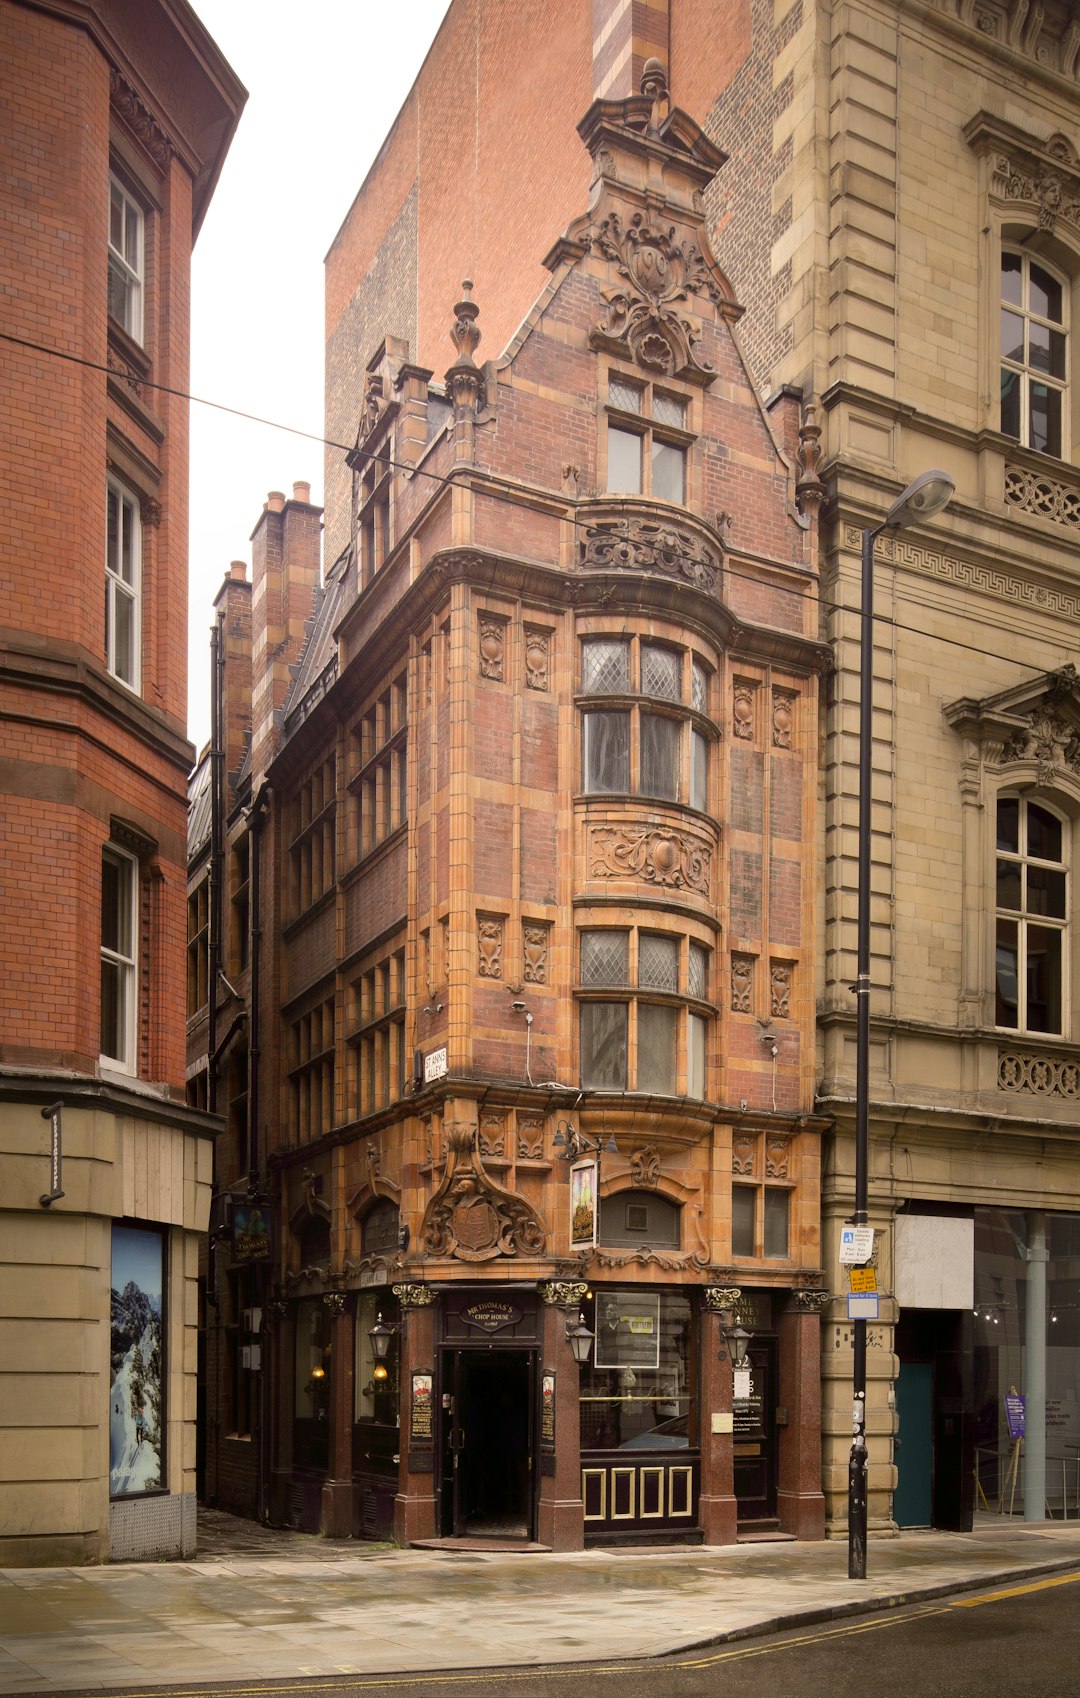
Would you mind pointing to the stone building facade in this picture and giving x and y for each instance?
(114, 137)
(537, 1034)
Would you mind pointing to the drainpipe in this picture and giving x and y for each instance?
(1035, 1375)
(217, 810)
(256, 821)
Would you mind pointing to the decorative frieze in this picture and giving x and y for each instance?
(492, 1133)
(777, 1156)
(743, 1151)
(674, 860)
(742, 984)
(139, 120)
(530, 1137)
(645, 1169)
(489, 946)
(537, 658)
(1039, 1075)
(783, 718)
(634, 543)
(742, 708)
(492, 647)
(780, 977)
(1045, 498)
(535, 937)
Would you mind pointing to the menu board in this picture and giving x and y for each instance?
(420, 1417)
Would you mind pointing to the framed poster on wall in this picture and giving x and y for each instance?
(137, 1413)
(627, 1329)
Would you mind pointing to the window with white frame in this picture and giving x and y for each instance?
(650, 1038)
(123, 584)
(119, 931)
(647, 441)
(1032, 916)
(629, 746)
(127, 237)
(1034, 345)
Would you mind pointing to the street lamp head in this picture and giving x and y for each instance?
(922, 499)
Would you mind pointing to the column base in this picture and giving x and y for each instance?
(559, 1524)
(336, 1509)
(802, 1513)
(718, 1519)
(414, 1517)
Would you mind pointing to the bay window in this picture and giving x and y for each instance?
(649, 1039)
(628, 748)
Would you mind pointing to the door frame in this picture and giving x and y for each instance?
(453, 1367)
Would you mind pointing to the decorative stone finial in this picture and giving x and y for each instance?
(810, 491)
(465, 333)
(654, 87)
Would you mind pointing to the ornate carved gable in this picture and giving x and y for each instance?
(646, 219)
(1037, 721)
(472, 1218)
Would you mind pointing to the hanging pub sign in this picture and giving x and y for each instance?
(250, 1233)
(583, 1178)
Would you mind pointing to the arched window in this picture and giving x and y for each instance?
(1032, 916)
(640, 1217)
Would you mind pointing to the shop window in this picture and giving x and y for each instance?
(127, 227)
(312, 1373)
(119, 932)
(639, 1042)
(377, 1385)
(636, 1393)
(1032, 889)
(647, 441)
(123, 584)
(1034, 348)
(627, 746)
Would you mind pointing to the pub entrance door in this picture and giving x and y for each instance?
(488, 1441)
(755, 1435)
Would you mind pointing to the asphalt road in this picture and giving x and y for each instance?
(1021, 1641)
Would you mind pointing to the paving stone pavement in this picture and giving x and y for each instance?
(258, 1602)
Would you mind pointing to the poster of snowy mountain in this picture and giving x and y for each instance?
(136, 1412)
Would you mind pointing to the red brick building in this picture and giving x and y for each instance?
(535, 922)
(115, 128)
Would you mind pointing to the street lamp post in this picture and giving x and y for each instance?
(922, 499)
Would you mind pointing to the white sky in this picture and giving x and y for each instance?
(325, 81)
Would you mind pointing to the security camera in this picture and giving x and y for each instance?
(518, 1006)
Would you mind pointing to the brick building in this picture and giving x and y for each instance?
(535, 929)
(900, 176)
(114, 131)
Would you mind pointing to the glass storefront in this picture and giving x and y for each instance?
(636, 1389)
(1005, 1369)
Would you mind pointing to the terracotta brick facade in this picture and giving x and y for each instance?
(93, 680)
